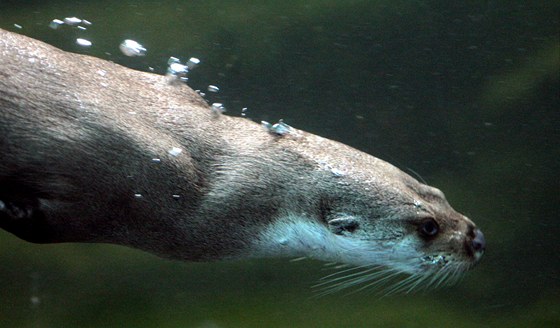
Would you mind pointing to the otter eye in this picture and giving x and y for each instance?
(429, 228)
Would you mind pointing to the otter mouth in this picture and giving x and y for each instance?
(435, 260)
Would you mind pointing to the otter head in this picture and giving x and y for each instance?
(405, 225)
(373, 216)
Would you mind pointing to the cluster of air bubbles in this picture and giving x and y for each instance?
(128, 47)
(73, 22)
(70, 21)
(213, 89)
(176, 70)
(179, 71)
(132, 48)
(279, 129)
(218, 108)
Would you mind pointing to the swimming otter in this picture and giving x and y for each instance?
(95, 152)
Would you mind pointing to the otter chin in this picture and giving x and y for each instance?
(99, 153)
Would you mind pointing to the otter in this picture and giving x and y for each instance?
(96, 152)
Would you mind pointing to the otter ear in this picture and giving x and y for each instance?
(343, 225)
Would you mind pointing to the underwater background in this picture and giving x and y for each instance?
(465, 94)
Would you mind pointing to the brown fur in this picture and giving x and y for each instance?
(78, 139)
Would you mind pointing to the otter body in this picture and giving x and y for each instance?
(95, 152)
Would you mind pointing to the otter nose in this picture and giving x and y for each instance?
(478, 243)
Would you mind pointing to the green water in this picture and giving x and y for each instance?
(467, 95)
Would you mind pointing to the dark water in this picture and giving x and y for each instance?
(465, 95)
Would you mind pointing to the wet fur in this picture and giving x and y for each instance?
(79, 136)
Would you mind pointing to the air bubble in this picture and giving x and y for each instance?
(55, 24)
(132, 48)
(35, 300)
(83, 42)
(213, 88)
(175, 151)
(279, 128)
(337, 172)
(176, 70)
(72, 21)
(218, 108)
(193, 62)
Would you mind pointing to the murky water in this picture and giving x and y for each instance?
(465, 95)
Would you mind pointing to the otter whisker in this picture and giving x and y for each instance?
(417, 283)
(440, 278)
(380, 277)
(449, 277)
(348, 270)
(372, 276)
(389, 275)
(407, 285)
(404, 285)
(438, 275)
(457, 274)
(349, 277)
(336, 265)
(357, 278)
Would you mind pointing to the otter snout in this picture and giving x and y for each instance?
(476, 244)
